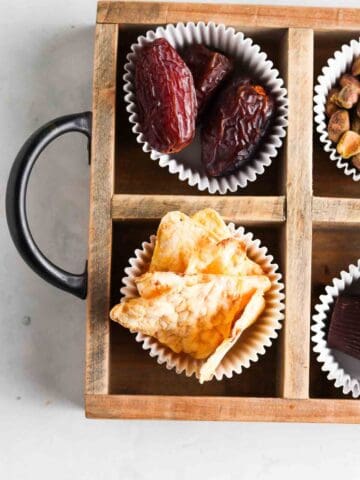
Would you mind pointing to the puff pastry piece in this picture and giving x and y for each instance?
(227, 257)
(193, 314)
(178, 236)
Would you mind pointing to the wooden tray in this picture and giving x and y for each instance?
(303, 208)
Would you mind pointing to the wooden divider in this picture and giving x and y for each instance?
(100, 223)
(231, 14)
(222, 408)
(249, 210)
(298, 230)
(335, 211)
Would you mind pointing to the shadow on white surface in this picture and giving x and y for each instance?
(47, 328)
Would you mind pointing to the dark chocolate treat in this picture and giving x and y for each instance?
(209, 69)
(344, 331)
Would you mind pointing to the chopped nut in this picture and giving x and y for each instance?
(358, 109)
(330, 105)
(348, 79)
(331, 108)
(333, 93)
(347, 97)
(355, 69)
(349, 144)
(338, 124)
(355, 124)
(356, 161)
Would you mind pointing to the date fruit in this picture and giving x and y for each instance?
(165, 96)
(209, 69)
(235, 126)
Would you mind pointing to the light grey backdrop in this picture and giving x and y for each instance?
(46, 53)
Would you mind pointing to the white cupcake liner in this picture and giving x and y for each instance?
(336, 66)
(342, 369)
(252, 343)
(187, 164)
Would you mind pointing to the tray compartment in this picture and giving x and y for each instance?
(334, 249)
(330, 181)
(136, 173)
(133, 371)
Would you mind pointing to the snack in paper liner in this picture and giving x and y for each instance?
(192, 314)
(336, 66)
(187, 164)
(341, 369)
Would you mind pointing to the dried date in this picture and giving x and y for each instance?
(165, 96)
(209, 69)
(235, 126)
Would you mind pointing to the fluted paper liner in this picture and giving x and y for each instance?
(187, 164)
(331, 73)
(252, 343)
(343, 370)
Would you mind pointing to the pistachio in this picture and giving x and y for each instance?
(330, 105)
(356, 161)
(347, 97)
(333, 93)
(348, 79)
(355, 69)
(349, 144)
(355, 124)
(338, 124)
(331, 108)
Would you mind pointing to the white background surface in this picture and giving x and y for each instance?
(46, 50)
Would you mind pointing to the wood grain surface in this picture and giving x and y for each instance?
(336, 211)
(298, 230)
(222, 408)
(235, 209)
(100, 225)
(231, 14)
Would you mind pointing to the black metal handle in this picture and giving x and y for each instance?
(16, 202)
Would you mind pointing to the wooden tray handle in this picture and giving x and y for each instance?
(16, 202)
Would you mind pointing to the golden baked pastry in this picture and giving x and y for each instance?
(193, 314)
(201, 290)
